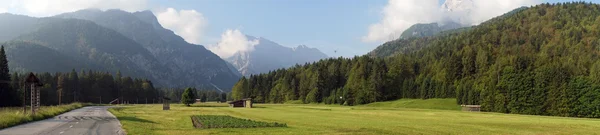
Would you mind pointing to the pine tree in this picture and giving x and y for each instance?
(188, 97)
(60, 85)
(74, 81)
(8, 96)
(203, 98)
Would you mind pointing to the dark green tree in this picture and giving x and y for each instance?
(188, 97)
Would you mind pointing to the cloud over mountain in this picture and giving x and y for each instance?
(398, 15)
(231, 42)
(189, 24)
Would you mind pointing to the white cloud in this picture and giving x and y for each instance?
(398, 15)
(487, 9)
(53, 7)
(3, 10)
(231, 42)
(189, 24)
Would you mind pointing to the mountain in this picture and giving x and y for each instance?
(112, 40)
(415, 43)
(455, 11)
(429, 29)
(543, 60)
(186, 64)
(457, 5)
(268, 55)
(59, 45)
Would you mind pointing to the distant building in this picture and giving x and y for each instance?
(471, 108)
(247, 102)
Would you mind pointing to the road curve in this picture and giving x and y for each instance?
(91, 120)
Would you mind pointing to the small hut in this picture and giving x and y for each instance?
(471, 108)
(166, 105)
(246, 102)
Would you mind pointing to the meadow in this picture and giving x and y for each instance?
(394, 117)
(11, 116)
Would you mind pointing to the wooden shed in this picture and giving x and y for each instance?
(471, 108)
(166, 104)
(247, 102)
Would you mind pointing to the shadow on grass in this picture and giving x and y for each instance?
(134, 119)
(209, 106)
(320, 109)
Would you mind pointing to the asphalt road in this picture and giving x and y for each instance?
(92, 120)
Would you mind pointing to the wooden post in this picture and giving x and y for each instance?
(37, 98)
(24, 99)
(32, 103)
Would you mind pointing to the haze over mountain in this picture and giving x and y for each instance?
(113, 40)
(267, 55)
(455, 14)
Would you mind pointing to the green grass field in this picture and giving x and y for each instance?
(395, 117)
(14, 115)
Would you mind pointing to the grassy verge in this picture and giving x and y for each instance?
(14, 115)
(333, 119)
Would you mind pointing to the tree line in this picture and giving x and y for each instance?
(542, 60)
(205, 95)
(68, 87)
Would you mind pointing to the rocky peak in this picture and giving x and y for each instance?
(457, 5)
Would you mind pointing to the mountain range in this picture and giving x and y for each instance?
(113, 40)
(268, 55)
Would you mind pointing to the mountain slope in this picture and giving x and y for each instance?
(412, 44)
(430, 29)
(59, 45)
(268, 56)
(15, 25)
(189, 64)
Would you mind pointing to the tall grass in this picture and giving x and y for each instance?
(12, 116)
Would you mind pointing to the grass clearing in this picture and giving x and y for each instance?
(435, 103)
(335, 119)
(11, 116)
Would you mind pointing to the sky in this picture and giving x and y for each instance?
(336, 27)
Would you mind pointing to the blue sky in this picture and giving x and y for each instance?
(325, 24)
(328, 25)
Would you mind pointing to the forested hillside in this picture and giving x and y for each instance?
(184, 64)
(542, 60)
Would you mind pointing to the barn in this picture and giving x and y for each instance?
(246, 102)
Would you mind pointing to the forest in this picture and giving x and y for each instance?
(85, 86)
(542, 60)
